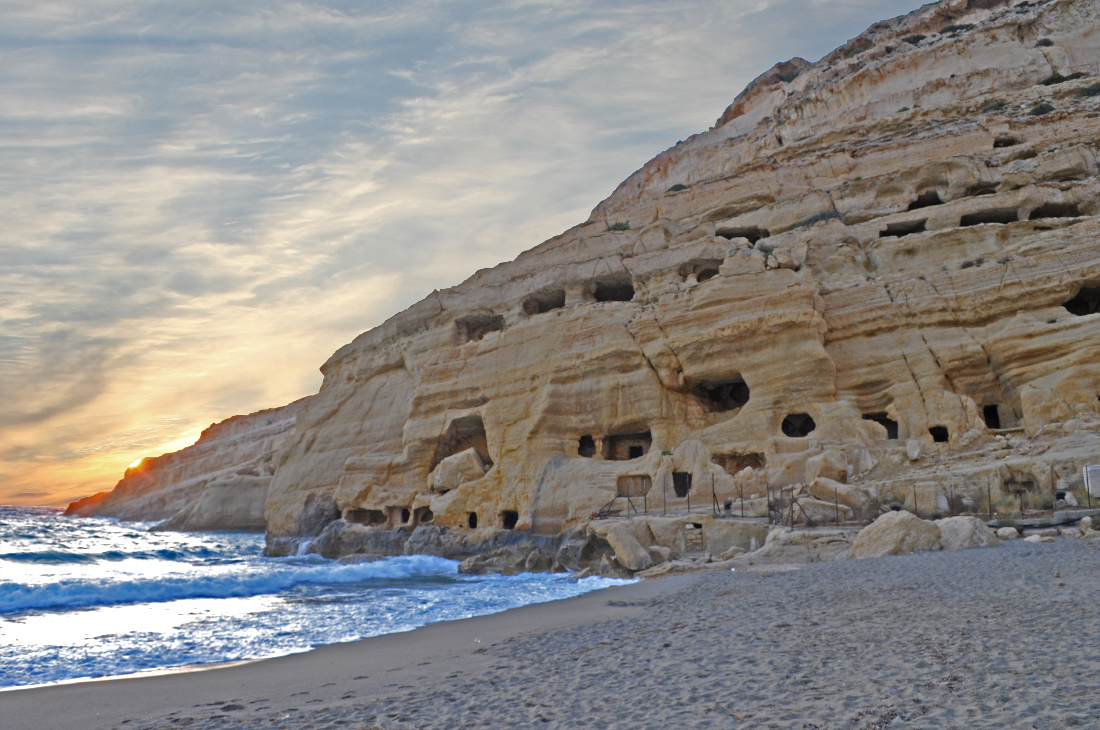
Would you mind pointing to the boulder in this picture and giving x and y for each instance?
(830, 465)
(1085, 524)
(816, 511)
(456, 470)
(1039, 538)
(788, 547)
(827, 489)
(960, 533)
(896, 533)
(721, 535)
(660, 554)
(629, 553)
(1007, 533)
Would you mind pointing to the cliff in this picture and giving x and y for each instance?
(219, 483)
(881, 269)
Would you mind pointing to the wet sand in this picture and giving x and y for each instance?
(992, 638)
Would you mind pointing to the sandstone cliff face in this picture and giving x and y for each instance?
(879, 269)
(885, 254)
(219, 483)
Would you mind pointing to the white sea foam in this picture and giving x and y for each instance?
(92, 597)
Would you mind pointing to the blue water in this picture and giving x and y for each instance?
(94, 597)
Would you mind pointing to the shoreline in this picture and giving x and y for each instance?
(105, 702)
(946, 639)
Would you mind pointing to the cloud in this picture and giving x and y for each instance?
(202, 201)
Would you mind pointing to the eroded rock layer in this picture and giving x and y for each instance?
(219, 483)
(877, 276)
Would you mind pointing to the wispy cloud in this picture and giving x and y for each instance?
(201, 200)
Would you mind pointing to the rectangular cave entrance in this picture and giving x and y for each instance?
(752, 233)
(1085, 302)
(399, 515)
(886, 422)
(627, 446)
(474, 327)
(614, 289)
(997, 215)
(633, 485)
(465, 432)
(509, 518)
(701, 269)
(681, 483)
(906, 228)
(365, 516)
(992, 416)
(1055, 210)
(423, 516)
(544, 301)
(927, 199)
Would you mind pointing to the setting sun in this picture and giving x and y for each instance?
(136, 463)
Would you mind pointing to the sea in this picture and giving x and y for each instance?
(93, 597)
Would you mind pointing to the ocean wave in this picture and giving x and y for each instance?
(63, 557)
(273, 577)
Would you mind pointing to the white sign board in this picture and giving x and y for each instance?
(1092, 480)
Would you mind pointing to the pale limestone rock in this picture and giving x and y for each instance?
(816, 511)
(1039, 538)
(219, 483)
(659, 554)
(1070, 532)
(960, 533)
(628, 551)
(826, 490)
(788, 547)
(840, 277)
(1007, 533)
(456, 470)
(719, 536)
(829, 465)
(1086, 524)
(896, 533)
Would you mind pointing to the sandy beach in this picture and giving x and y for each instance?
(990, 638)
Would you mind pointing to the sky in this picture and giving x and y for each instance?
(201, 201)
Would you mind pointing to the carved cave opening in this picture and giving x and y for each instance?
(886, 422)
(701, 269)
(508, 519)
(365, 516)
(1006, 140)
(475, 326)
(906, 228)
(1086, 301)
(633, 485)
(464, 433)
(798, 425)
(544, 301)
(618, 289)
(753, 233)
(721, 396)
(996, 215)
(471, 520)
(627, 446)
(926, 200)
(586, 447)
(734, 463)
(940, 434)
(423, 516)
(992, 416)
(681, 483)
(1055, 210)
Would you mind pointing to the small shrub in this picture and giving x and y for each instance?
(1040, 109)
(1091, 90)
(1043, 42)
(994, 106)
(903, 109)
(914, 39)
(677, 188)
(857, 178)
(956, 28)
(620, 226)
(1053, 79)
